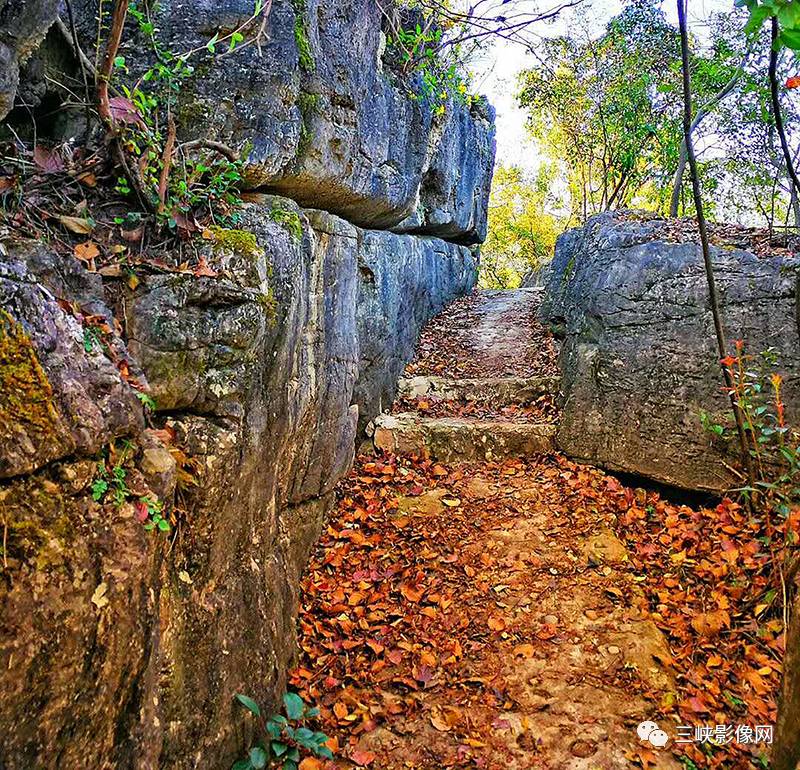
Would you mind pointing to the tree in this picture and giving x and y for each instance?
(702, 113)
(603, 107)
(713, 297)
(521, 233)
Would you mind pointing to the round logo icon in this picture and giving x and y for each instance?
(644, 730)
(658, 738)
(650, 731)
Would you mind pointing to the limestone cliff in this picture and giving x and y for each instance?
(639, 358)
(121, 647)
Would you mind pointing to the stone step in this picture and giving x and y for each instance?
(451, 439)
(501, 391)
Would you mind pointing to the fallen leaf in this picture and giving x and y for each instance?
(87, 251)
(99, 598)
(49, 161)
(203, 270)
(77, 224)
(310, 763)
(412, 594)
(496, 623)
(363, 758)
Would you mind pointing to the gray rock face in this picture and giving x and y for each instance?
(404, 281)
(60, 392)
(639, 358)
(23, 25)
(454, 195)
(327, 124)
(261, 373)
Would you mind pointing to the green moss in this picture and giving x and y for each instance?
(308, 105)
(241, 242)
(270, 306)
(26, 397)
(569, 270)
(306, 58)
(288, 220)
(36, 524)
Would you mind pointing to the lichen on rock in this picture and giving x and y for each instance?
(27, 411)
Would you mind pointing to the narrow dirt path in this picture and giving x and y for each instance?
(487, 334)
(482, 612)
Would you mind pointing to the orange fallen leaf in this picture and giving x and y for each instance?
(523, 651)
(362, 758)
(412, 594)
(203, 270)
(310, 763)
(87, 251)
(496, 623)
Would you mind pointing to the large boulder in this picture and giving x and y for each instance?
(325, 119)
(122, 648)
(639, 357)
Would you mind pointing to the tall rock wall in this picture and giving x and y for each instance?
(639, 357)
(124, 648)
(327, 120)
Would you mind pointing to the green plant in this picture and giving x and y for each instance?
(441, 71)
(111, 485)
(308, 104)
(151, 513)
(304, 54)
(289, 220)
(147, 401)
(179, 182)
(285, 739)
(773, 445)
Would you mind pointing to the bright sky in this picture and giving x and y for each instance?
(496, 74)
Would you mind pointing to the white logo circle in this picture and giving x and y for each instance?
(644, 730)
(658, 738)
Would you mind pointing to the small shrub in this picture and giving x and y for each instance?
(285, 740)
(442, 74)
(111, 486)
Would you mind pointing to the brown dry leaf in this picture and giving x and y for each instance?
(524, 651)
(362, 758)
(710, 623)
(49, 161)
(203, 270)
(310, 763)
(87, 251)
(496, 623)
(412, 594)
(439, 722)
(77, 225)
(88, 179)
(133, 236)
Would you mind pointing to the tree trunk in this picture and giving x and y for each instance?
(786, 751)
(776, 106)
(677, 180)
(713, 297)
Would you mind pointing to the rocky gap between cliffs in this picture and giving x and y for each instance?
(179, 418)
